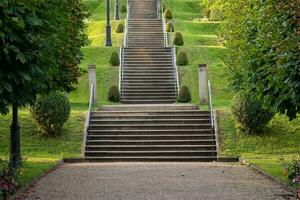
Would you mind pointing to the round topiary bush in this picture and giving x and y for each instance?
(51, 112)
(114, 59)
(169, 26)
(120, 28)
(178, 39)
(184, 95)
(249, 113)
(123, 8)
(113, 94)
(168, 14)
(182, 58)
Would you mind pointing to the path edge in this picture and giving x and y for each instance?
(27, 186)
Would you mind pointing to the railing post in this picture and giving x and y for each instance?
(92, 79)
(202, 84)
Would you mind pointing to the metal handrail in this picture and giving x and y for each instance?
(173, 49)
(88, 117)
(120, 78)
(210, 105)
(122, 70)
(164, 31)
(157, 8)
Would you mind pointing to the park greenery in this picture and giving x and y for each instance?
(257, 63)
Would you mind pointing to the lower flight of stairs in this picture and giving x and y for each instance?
(150, 133)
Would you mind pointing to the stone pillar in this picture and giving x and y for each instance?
(202, 84)
(92, 79)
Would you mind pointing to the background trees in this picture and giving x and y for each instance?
(263, 40)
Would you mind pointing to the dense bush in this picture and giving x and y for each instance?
(113, 94)
(182, 58)
(120, 28)
(249, 113)
(262, 38)
(114, 59)
(178, 39)
(184, 95)
(169, 26)
(51, 112)
(292, 170)
(123, 8)
(8, 180)
(168, 14)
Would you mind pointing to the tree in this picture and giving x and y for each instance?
(40, 51)
(263, 40)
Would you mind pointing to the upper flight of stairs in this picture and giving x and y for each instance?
(150, 133)
(148, 69)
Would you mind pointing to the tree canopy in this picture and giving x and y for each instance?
(40, 48)
(263, 40)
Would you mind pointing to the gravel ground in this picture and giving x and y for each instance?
(154, 181)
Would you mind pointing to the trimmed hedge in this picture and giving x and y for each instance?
(114, 59)
(120, 28)
(51, 112)
(178, 39)
(113, 94)
(169, 26)
(168, 14)
(182, 58)
(123, 8)
(184, 95)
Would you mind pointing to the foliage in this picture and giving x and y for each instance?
(51, 112)
(40, 48)
(212, 9)
(184, 95)
(178, 39)
(114, 59)
(169, 26)
(249, 113)
(292, 170)
(120, 28)
(123, 8)
(182, 58)
(8, 180)
(113, 94)
(168, 14)
(263, 38)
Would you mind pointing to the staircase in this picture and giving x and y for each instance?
(150, 133)
(149, 127)
(148, 71)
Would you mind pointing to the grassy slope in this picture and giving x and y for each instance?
(40, 154)
(280, 140)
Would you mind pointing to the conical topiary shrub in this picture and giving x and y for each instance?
(169, 26)
(178, 39)
(113, 94)
(123, 8)
(114, 59)
(168, 14)
(184, 95)
(120, 28)
(182, 58)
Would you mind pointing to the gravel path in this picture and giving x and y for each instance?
(154, 181)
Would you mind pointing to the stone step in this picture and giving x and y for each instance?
(151, 132)
(126, 97)
(152, 158)
(148, 147)
(152, 153)
(149, 121)
(149, 137)
(147, 126)
(152, 142)
(161, 109)
(151, 101)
